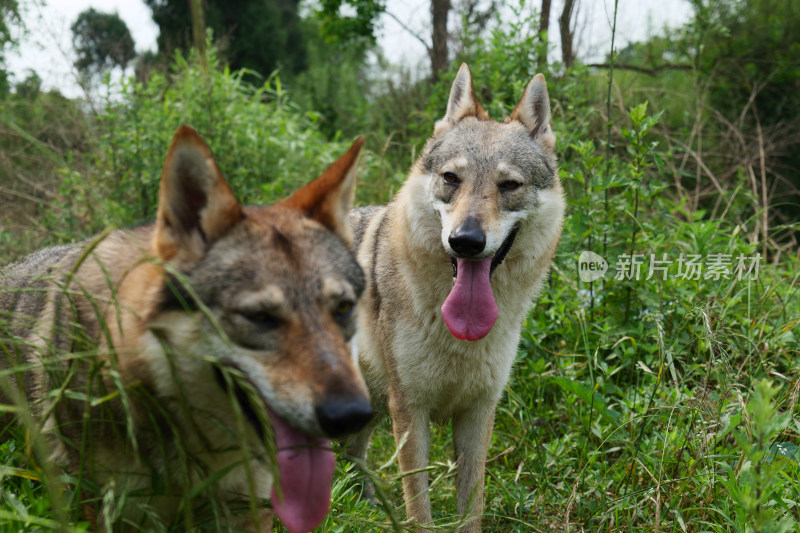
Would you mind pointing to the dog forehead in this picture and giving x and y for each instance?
(289, 237)
(294, 247)
(484, 147)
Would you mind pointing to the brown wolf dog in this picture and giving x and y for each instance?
(180, 366)
(453, 264)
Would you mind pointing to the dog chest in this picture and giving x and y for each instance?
(444, 375)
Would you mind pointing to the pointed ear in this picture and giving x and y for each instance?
(462, 102)
(329, 198)
(533, 110)
(195, 204)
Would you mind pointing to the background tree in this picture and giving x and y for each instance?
(102, 42)
(338, 26)
(440, 11)
(336, 85)
(544, 26)
(9, 17)
(31, 87)
(259, 35)
(567, 33)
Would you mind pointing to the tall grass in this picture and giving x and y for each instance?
(89, 414)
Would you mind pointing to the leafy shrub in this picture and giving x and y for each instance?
(264, 145)
(40, 134)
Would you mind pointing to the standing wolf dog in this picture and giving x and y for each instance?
(453, 264)
(167, 363)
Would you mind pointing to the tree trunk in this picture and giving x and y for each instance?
(199, 30)
(439, 60)
(544, 25)
(566, 33)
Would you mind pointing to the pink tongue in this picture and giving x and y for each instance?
(470, 310)
(306, 466)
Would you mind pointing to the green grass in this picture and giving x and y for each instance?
(605, 425)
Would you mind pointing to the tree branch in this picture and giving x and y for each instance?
(409, 30)
(649, 71)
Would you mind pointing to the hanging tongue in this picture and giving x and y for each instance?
(306, 466)
(470, 310)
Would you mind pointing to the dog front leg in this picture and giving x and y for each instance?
(412, 435)
(472, 432)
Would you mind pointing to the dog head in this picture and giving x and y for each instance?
(488, 181)
(260, 305)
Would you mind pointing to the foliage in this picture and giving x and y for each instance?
(642, 401)
(9, 17)
(265, 147)
(751, 47)
(30, 88)
(335, 86)
(759, 487)
(338, 27)
(41, 134)
(258, 35)
(732, 72)
(102, 42)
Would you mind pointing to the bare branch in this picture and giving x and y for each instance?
(409, 30)
(644, 70)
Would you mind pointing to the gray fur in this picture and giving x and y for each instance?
(487, 143)
(502, 177)
(359, 220)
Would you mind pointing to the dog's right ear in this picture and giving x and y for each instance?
(462, 102)
(329, 198)
(195, 204)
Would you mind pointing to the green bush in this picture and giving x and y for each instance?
(264, 145)
(40, 134)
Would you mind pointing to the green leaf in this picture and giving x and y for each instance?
(787, 450)
(585, 393)
(638, 114)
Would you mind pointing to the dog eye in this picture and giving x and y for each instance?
(261, 319)
(343, 310)
(450, 178)
(510, 185)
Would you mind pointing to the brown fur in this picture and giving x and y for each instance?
(184, 332)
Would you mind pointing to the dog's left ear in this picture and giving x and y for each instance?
(329, 198)
(533, 110)
(195, 204)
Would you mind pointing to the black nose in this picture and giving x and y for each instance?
(468, 239)
(339, 416)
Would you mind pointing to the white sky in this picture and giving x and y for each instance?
(47, 47)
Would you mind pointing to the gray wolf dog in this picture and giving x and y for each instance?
(453, 264)
(180, 367)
